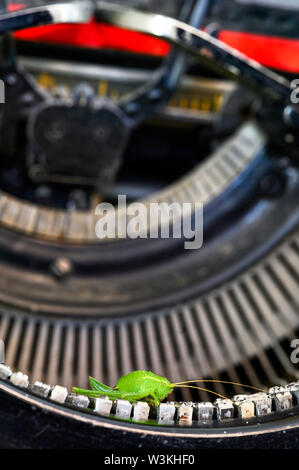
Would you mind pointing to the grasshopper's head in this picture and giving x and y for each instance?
(165, 388)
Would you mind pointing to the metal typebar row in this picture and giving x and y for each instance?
(244, 407)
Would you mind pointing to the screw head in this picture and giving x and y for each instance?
(272, 185)
(155, 95)
(61, 268)
(132, 108)
(11, 79)
(56, 131)
(27, 98)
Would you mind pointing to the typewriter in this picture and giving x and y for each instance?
(160, 102)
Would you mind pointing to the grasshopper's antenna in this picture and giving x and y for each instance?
(205, 390)
(221, 382)
(200, 388)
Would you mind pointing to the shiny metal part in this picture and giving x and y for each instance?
(123, 409)
(41, 389)
(282, 398)
(185, 414)
(263, 404)
(210, 51)
(294, 389)
(140, 411)
(204, 412)
(244, 406)
(79, 11)
(59, 394)
(224, 409)
(197, 42)
(102, 406)
(19, 379)
(5, 372)
(166, 413)
(77, 401)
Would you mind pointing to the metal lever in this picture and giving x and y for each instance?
(142, 103)
(211, 52)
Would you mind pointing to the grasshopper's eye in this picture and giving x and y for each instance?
(164, 383)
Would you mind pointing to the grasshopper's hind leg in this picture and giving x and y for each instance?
(131, 397)
(113, 394)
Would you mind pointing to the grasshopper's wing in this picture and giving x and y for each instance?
(99, 387)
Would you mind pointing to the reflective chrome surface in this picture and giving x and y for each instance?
(210, 51)
(67, 12)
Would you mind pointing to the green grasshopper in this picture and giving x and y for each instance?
(144, 385)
